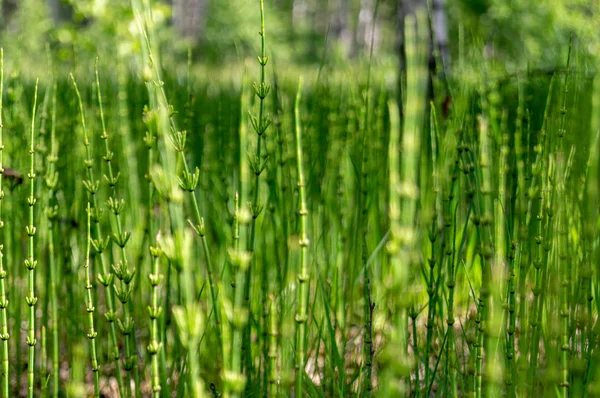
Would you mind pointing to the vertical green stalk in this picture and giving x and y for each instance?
(260, 125)
(189, 317)
(303, 272)
(157, 342)
(121, 270)
(413, 315)
(240, 258)
(189, 180)
(4, 335)
(154, 312)
(511, 323)
(90, 305)
(397, 371)
(563, 265)
(273, 336)
(51, 180)
(404, 200)
(44, 361)
(30, 262)
(156, 346)
(369, 346)
(100, 244)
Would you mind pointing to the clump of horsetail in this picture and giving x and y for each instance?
(303, 272)
(91, 335)
(188, 181)
(260, 123)
(404, 194)
(565, 273)
(99, 243)
(4, 335)
(30, 262)
(120, 237)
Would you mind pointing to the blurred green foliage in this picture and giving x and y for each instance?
(517, 33)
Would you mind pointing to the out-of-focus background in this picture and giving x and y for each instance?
(520, 33)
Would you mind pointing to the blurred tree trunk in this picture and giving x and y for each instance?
(189, 17)
(7, 8)
(440, 31)
(299, 12)
(60, 11)
(364, 28)
(339, 25)
(439, 28)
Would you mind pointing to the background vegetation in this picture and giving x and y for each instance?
(325, 208)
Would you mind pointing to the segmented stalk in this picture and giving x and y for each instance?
(511, 325)
(51, 180)
(90, 304)
(260, 125)
(564, 274)
(4, 336)
(303, 273)
(189, 317)
(234, 378)
(30, 262)
(398, 272)
(155, 312)
(273, 336)
(100, 244)
(121, 270)
(369, 349)
(404, 197)
(188, 181)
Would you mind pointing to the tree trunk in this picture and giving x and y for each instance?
(299, 12)
(60, 11)
(189, 17)
(440, 31)
(366, 32)
(439, 28)
(340, 30)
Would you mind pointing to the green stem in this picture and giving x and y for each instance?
(30, 262)
(3, 275)
(100, 244)
(90, 306)
(303, 274)
(51, 180)
(121, 270)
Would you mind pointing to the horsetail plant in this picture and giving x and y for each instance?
(404, 194)
(303, 272)
(189, 317)
(395, 376)
(89, 301)
(51, 181)
(273, 336)
(487, 288)
(155, 312)
(100, 244)
(30, 262)
(234, 377)
(120, 237)
(188, 181)
(4, 336)
(260, 124)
